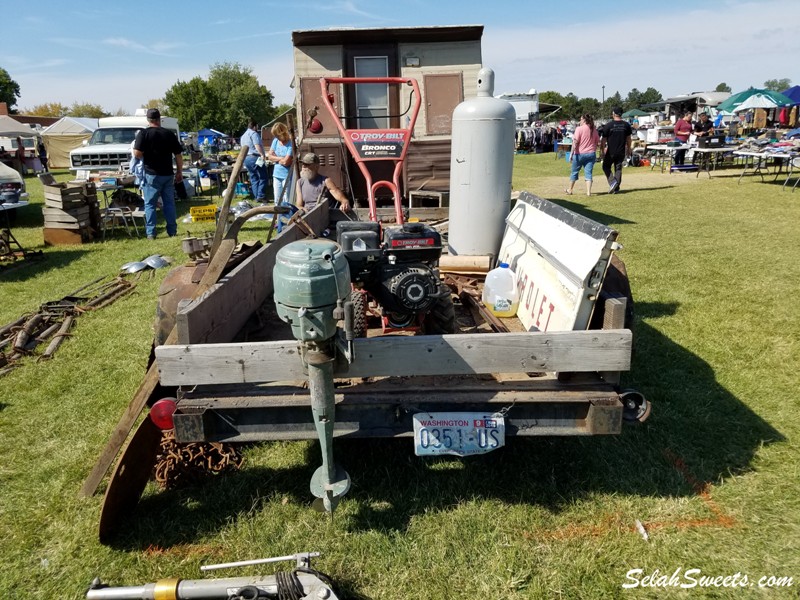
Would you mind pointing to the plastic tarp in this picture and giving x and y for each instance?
(66, 135)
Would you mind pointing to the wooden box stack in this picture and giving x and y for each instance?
(71, 213)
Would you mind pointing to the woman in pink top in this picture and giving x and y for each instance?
(584, 153)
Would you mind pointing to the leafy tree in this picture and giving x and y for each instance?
(777, 85)
(609, 104)
(589, 106)
(240, 97)
(225, 101)
(121, 112)
(651, 96)
(193, 103)
(723, 87)
(158, 103)
(634, 100)
(85, 109)
(48, 109)
(9, 91)
(282, 108)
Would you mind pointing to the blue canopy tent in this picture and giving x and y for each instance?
(212, 135)
(793, 93)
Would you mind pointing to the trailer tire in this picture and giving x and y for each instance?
(441, 318)
(359, 300)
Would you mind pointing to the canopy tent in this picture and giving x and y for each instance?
(65, 135)
(756, 101)
(12, 128)
(634, 112)
(212, 135)
(731, 104)
(793, 93)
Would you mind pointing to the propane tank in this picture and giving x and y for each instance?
(309, 277)
(481, 164)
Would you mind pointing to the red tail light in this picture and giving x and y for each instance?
(162, 411)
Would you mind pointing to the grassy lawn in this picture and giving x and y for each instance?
(714, 475)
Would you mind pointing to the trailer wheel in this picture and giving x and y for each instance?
(442, 317)
(636, 408)
(359, 300)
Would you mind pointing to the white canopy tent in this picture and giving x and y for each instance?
(65, 135)
(756, 101)
(12, 128)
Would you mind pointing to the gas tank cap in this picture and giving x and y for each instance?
(413, 227)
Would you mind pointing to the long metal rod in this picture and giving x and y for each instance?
(259, 561)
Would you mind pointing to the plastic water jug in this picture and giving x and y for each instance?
(500, 291)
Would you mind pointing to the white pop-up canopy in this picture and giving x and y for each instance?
(65, 135)
(12, 128)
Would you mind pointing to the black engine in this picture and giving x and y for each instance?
(400, 271)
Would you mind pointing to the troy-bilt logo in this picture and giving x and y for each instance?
(413, 243)
(377, 136)
(485, 423)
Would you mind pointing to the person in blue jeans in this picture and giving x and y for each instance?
(255, 161)
(584, 153)
(280, 153)
(156, 146)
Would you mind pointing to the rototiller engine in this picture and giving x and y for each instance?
(400, 272)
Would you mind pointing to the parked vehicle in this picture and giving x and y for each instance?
(109, 148)
(12, 185)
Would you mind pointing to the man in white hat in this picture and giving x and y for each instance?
(311, 187)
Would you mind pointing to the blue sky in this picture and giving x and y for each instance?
(120, 54)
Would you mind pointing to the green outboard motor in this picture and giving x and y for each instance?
(312, 281)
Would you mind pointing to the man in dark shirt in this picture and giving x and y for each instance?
(156, 146)
(615, 147)
(704, 126)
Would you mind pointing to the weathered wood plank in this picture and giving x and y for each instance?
(576, 351)
(221, 312)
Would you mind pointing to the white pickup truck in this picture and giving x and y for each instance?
(109, 148)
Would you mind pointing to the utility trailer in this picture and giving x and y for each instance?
(458, 393)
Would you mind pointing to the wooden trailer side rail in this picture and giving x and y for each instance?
(219, 314)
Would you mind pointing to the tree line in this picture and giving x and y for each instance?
(573, 107)
(231, 93)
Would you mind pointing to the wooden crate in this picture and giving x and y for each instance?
(69, 195)
(60, 237)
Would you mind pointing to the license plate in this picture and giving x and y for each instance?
(458, 433)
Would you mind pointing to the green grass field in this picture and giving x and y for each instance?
(714, 475)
